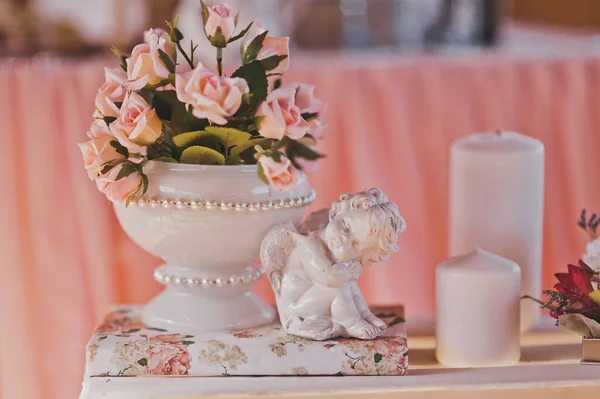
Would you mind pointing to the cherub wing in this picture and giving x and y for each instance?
(315, 221)
(274, 251)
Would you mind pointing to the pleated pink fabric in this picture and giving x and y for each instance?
(65, 260)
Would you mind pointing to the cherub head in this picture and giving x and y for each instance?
(364, 227)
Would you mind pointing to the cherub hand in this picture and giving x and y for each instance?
(355, 269)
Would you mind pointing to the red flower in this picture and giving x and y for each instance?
(572, 292)
(577, 281)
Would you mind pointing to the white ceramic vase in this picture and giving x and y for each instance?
(207, 223)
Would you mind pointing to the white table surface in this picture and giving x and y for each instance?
(549, 368)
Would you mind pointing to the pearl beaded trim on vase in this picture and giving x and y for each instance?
(250, 277)
(228, 205)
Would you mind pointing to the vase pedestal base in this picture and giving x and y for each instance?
(190, 313)
(192, 305)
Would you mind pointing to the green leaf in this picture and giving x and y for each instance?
(188, 139)
(397, 320)
(198, 138)
(339, 373)
(176, 35)
(254, 74)
(106, 167)
(188, 336)
(126, 170)
(277, 84)
(218, 40)
(123, 59)
(309, 116)
(205, 12)
(102, 338)
(165, 98)
(247, 98)
(282, 143)
(236, 154)
(166, 159)
(241, 34)
(143, 362)
(257, 121)
(272, 62)
(109, 119)
(144, 184)
(186, 343)
(163, 148)
(297, 149)
(156, 329)
(147, 94)
(378, 357)
(130, 198)
(162, 83)
(277, 156)
(183, 120)
(202, 156)
(308, 140)
(169, 63)
(254, 48)
(120, 149)
(261, 174)
(229, 136)
(133, 330)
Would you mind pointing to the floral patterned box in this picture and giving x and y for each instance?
(124, 346)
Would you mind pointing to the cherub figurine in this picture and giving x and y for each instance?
(314, 270)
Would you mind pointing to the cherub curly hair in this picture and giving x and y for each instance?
(384, 217)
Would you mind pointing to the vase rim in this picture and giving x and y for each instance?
(184, 167)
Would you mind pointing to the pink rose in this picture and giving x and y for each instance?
(110, 92)
(169, 338)
(169, 359)
(308, 103)
(138, 125)
(163, 38)
(271, 46)
(118, 191)
(98, 150)
(144, 65)
(219, 16)
(305, 98)
(281, 175)
(279, 116)
(210, 96)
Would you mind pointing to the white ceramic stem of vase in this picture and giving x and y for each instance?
(190, 303)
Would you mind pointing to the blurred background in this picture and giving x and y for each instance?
(402, 78)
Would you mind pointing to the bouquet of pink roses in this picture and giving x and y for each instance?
(161, 105)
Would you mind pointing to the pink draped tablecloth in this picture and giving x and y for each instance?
(391, 120)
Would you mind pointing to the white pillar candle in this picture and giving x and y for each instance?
(477, 310)
(496, 202)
